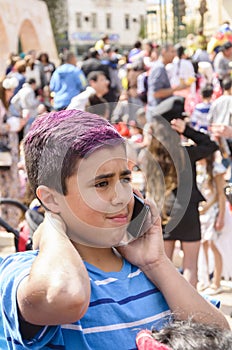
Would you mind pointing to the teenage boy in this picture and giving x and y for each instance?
(80, 287)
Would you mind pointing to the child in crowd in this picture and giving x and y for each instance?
(83, 284)
(210, 181)
(199, 117)
(185, 335)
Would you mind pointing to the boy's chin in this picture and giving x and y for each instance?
(102, 238)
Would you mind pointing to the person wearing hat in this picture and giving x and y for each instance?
(222, 61)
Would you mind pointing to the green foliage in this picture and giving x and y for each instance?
(191, 27)
(58, 17)
(143, 30)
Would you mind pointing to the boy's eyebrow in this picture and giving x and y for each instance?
(109, 175)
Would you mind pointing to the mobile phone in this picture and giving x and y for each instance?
(140, 212)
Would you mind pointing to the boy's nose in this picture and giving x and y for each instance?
(121, 195)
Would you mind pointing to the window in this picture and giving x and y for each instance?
(127, 22)
(78, 20)
(94, 20)
(108, 21)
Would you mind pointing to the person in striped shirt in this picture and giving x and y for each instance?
(85, 285)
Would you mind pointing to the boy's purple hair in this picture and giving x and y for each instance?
(57, 140)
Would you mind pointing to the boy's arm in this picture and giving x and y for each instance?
(147, 252)
(57, 290)
(182, 298)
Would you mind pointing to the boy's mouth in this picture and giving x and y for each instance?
(121, 218)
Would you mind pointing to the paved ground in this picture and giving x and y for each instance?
(7, 247)
(226, 300)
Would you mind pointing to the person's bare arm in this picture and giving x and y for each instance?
(57, 290)
(162, 93)
(182, 298)
(147, 252)
(220, 130)
(220, 184)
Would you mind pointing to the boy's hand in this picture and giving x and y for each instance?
(148, 249)
(52, 224)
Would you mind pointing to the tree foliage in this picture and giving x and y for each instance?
(59, 20)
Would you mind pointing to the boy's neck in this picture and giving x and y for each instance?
(103, 258)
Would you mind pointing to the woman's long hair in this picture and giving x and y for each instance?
(209, 169)
(165, 160)
(3, 96)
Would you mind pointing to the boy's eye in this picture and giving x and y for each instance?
(101, 184)
(126, 179)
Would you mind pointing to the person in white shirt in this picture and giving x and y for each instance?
(181, 70)
(92, 98)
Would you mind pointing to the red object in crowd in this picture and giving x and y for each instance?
(24, 235)
(122, 128)
(145, 341)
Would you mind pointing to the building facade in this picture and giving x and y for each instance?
(122, 20)
(25, 25)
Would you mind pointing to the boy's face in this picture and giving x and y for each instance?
(99, 202)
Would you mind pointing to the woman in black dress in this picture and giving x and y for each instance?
(170, 170)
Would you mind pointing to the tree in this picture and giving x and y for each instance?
(143, 29)
(202, 10)
(179, 8)
(59, 21)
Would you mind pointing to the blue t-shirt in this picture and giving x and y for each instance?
(199, 117)
(67, 81)
(122, 303)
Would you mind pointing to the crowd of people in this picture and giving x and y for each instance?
(168, 107)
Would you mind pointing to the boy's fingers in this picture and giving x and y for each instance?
(153, 209)
(52, 222)
(55, 221)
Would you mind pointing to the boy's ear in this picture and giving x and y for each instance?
(48, 198)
